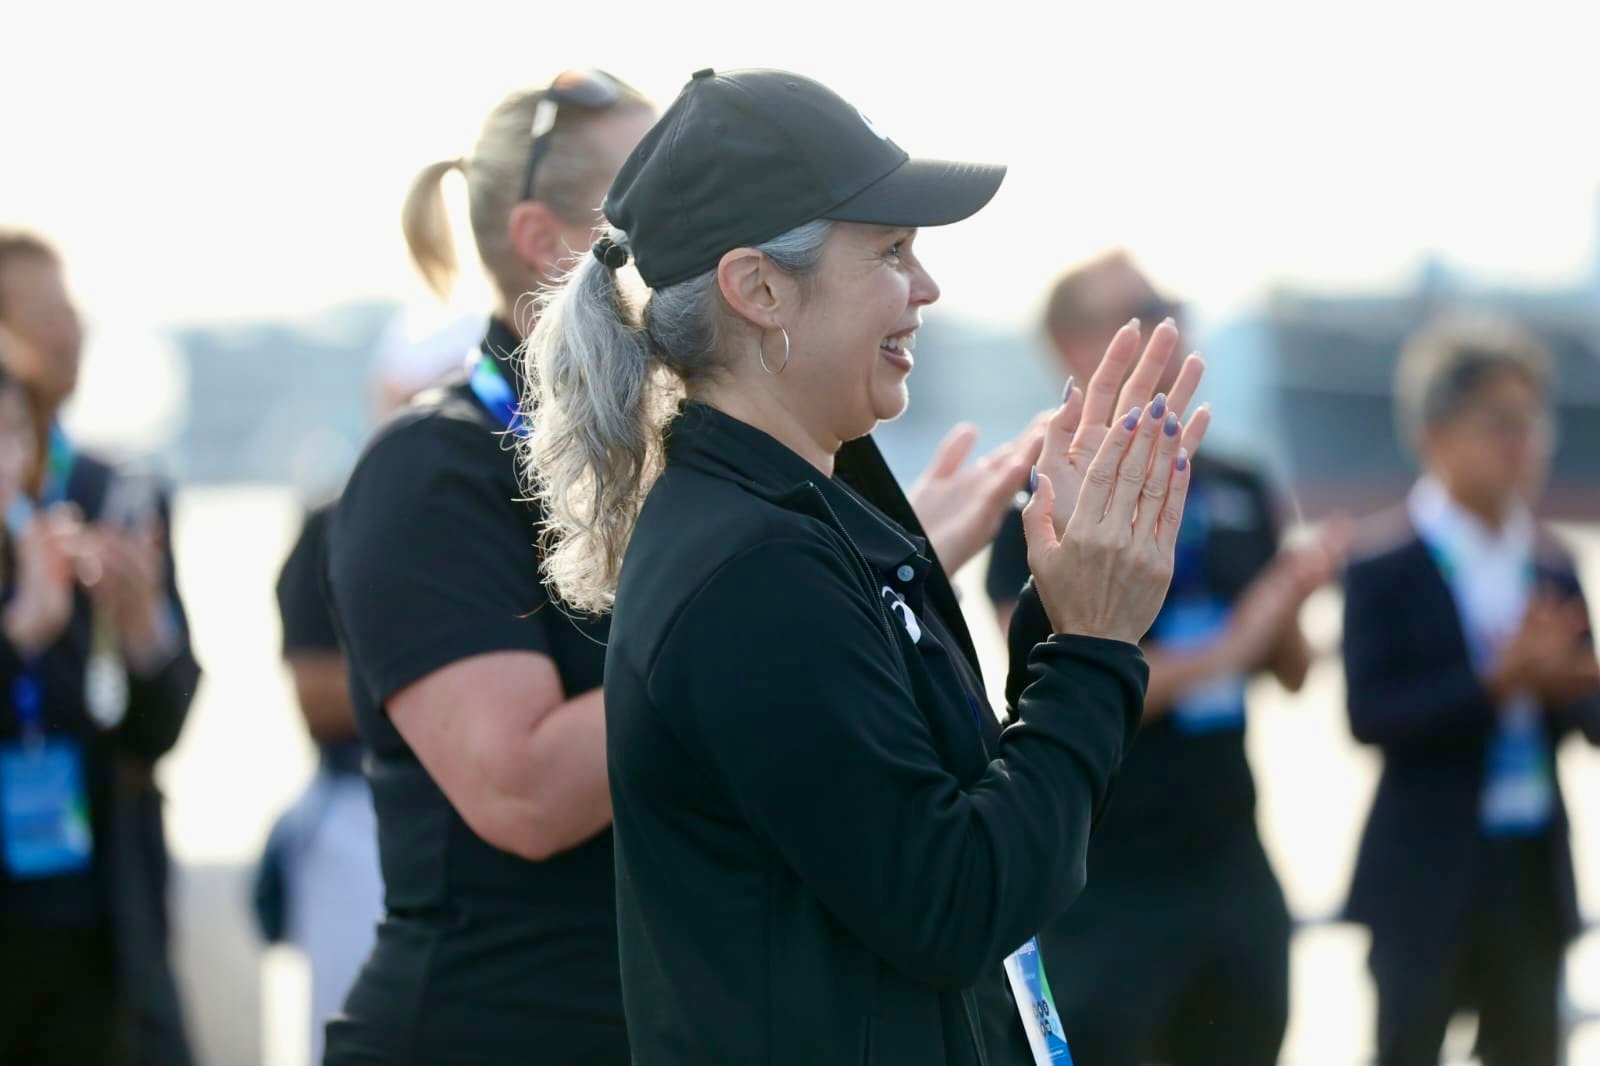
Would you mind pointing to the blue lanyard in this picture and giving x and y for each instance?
(59, 462)
(27, 696)
(495, 393)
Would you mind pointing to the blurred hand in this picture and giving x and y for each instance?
(126, 574)
(961, 507)
(42, 606)
(1273, 600)
(1084, 422)
(1316, 562)
(1271, 604)
(1578, 678)
(1104, 571)
(1546, 655)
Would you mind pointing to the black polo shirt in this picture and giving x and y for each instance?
(482, 957)
(1186, 785)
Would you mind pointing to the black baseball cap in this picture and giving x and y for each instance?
(745, 156)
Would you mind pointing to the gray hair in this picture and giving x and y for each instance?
(1444, 365)
(608, 370)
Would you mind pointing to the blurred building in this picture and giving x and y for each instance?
(1326, 371)
(1302, 385)
(261, 394)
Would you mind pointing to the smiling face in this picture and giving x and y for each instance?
(854, 331)
(1495, 449)
(46, 335)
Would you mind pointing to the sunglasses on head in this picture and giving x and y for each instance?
(591, 90)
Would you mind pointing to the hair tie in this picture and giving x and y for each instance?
(615, 256)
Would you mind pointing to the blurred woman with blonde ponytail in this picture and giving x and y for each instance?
(478, 703)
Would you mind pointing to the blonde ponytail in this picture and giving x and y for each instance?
(426, 223)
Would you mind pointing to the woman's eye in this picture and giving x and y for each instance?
(894, 250)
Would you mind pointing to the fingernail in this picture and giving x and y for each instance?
(1133, 418)
(1066, 393)
(1171, 427)
(1170, 321)
(1133, 323)
(1159, 408)
(1183, 459)
(1033, 479)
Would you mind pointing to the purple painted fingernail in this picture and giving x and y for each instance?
(1159, 408)
(1133, 418)
(1183, 459)
(1066, 393)
(1033, 479)
(1171, 428)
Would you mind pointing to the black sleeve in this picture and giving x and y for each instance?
(1582, 715)
(302, 596)
(806, 718)
(1008, 561)
(1030, 627)
(159, 704)
(1395, 701)
(432, 559)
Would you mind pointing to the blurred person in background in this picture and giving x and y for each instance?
(1468, 656)
(1179, 946)
(420, 347)
(97, 690)
(477, 701)
(318, 885)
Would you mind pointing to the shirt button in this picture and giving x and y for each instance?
(905, 573)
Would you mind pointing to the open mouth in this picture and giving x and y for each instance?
(897, 348)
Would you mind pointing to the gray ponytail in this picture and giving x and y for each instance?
(606, 379)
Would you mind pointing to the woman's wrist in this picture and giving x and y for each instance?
(152, 641)
(22, 633)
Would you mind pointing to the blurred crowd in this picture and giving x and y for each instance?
(450, 872)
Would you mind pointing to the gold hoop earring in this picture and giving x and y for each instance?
(761, 353)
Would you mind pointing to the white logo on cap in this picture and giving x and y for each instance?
(876, 132)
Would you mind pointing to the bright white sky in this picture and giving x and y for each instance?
(206, 160)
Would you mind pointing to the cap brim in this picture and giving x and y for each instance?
(923, 192)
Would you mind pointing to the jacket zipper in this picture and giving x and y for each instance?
(973, 1024)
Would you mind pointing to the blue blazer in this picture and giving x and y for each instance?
(1413, 693)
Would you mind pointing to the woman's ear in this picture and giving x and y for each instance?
(754, 289)
(535, 235)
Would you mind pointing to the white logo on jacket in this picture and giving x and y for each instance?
(895, 601)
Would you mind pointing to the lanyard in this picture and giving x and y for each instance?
(59, 461)
(1481, 644)
(27, 696)
(489, 385)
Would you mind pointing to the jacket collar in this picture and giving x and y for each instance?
(503, 345)
(706, 439)
(863, 493)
